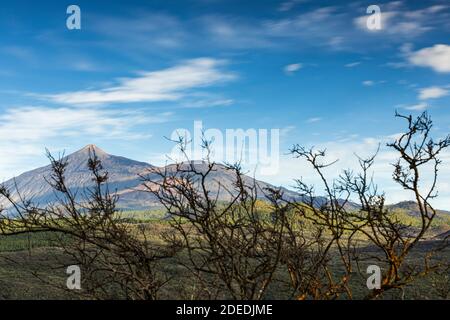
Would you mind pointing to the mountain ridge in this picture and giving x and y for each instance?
(125, 180)
(123, 173)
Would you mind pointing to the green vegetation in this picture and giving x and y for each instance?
(246, 249)
(23, 242)
(22, 255)
(143, 215)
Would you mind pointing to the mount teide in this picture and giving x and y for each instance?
(124, 179)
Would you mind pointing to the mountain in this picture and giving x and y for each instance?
(124, 179)
(412, 208)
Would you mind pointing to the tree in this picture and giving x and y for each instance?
(117, 259)
(233, 247)
(372, 220)
(240, 240)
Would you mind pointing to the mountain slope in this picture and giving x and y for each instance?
(124, 178)
(412, 208)
(33, 184)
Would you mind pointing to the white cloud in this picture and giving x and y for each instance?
(368, 83)
(385, 17)
(432, 93)
(143, 32)
(395, 23)
(27, 131)
(312, 120)
(353, 64)
(292, 68)
(310, 26)
(316, 27)
(206, 102)
(417, 107)
(436, 57)
(165, 85)
(234, 32)
(398, 21)
(38, 123)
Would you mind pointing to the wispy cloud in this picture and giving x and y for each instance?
(314, 27)
(37, 123)
(26, 131)
(436, 57)
(432, 93)
(146, 31)
(332, 27)
(398, 21)
(289, 5)
(292, 68)
(164, 85)
(417, 107)
(313, 120)
(352, 64)
(24, 54)
(206, 101)
(370, 83)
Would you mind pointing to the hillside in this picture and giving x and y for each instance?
(411, 208)
(124, 179)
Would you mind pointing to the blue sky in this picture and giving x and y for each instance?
(138, 70)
